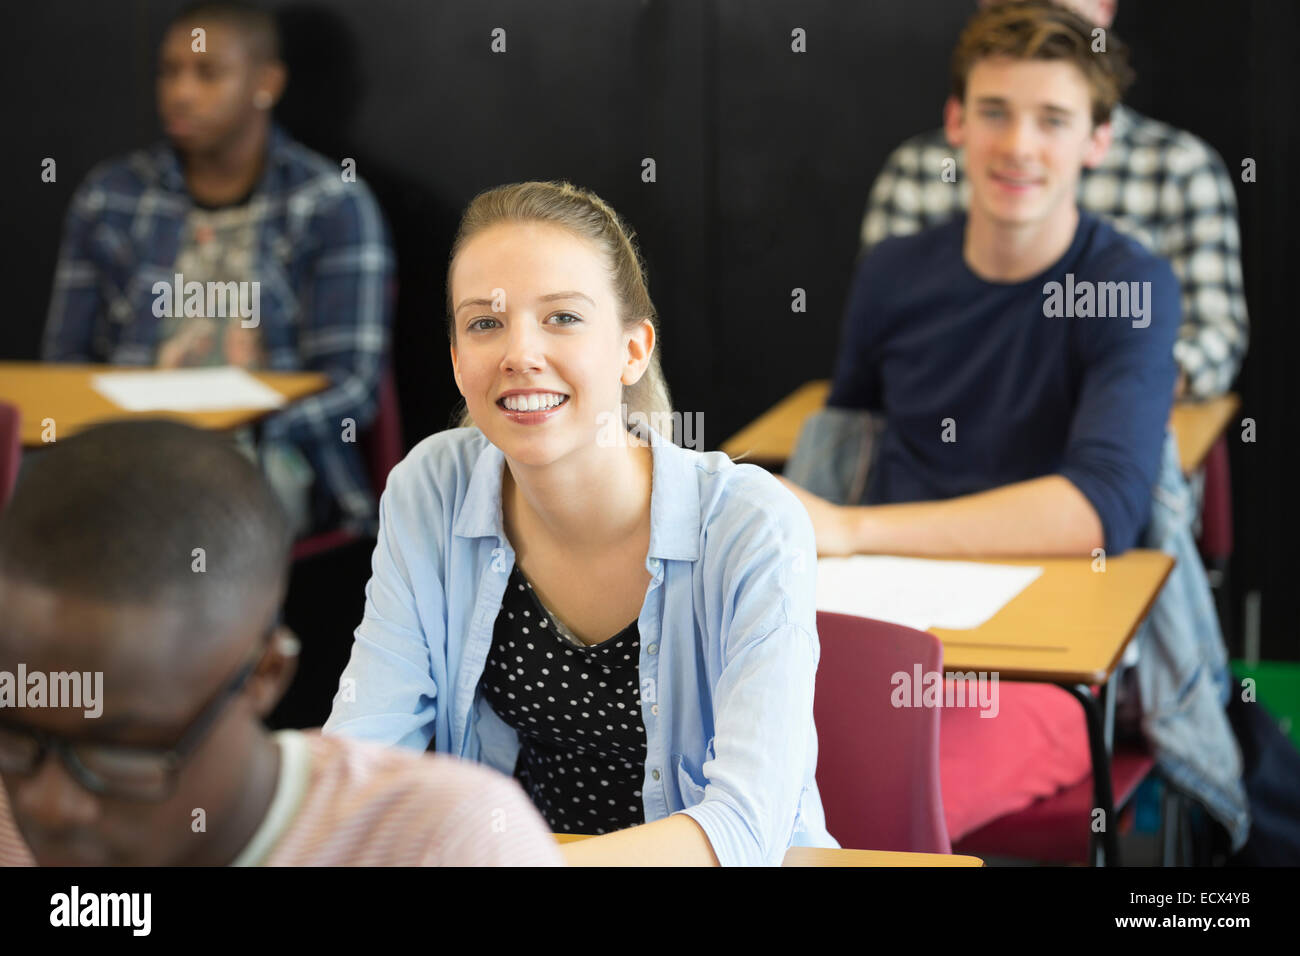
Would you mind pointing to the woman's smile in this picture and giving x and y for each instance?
(531, 408)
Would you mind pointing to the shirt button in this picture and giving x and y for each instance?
(654, 709)
(652, 649)
(654, 774)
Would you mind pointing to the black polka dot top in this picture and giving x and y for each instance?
(577, 709)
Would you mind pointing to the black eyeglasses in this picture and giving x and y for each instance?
(145, 774)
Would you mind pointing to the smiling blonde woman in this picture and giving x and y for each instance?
(628, 627)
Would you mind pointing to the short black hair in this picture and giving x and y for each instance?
(256, 24)
(114, 513)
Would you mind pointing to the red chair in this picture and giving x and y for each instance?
(1216, 539)
(1216, 508)
(878, 765)
(381, 444)
(11, 450)
(1058, 829)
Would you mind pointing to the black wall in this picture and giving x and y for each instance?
(764, 159)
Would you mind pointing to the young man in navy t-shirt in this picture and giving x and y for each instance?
(1022, 360)
(1021, 355)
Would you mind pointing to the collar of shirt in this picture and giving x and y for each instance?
(674, 501)
(172, 177)
(1121, 120)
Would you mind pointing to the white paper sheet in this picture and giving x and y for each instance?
(918, 592)
(186, 390)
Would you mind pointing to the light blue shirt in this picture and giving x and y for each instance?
(728, 635)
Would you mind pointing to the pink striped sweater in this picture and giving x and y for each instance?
(343, 802)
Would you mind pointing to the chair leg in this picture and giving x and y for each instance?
(1103, 848)
(1185, 838)
(1170, 826)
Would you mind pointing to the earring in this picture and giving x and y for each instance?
(262, 100)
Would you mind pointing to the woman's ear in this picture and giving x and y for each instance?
(455, 370)
(639, 345)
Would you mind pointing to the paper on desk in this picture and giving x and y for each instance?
(918, 592)
(186, 390)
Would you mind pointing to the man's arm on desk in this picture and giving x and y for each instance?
(1047, 515)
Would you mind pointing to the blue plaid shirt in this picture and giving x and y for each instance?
(325, 268)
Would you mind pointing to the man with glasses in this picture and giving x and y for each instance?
(155, 555)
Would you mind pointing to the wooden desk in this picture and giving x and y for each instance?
(63, 392)
(769, 439)
(1198, 426)
(1070, 626)
(817, 856)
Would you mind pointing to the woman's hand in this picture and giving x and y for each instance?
(832, 524)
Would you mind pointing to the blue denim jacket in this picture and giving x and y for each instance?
(728, 637)
(1182, 665)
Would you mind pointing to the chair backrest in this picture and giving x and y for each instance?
(1216, 507)
(11, 450)
(381, 446)
(877, 764)
(383, 439)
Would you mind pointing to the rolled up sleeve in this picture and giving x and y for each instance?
(346, 321)
(388, 692)
(76, 302)
(1117, 433)
(759, 763)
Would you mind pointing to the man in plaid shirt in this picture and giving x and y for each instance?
(232, 199)
(1161, 185)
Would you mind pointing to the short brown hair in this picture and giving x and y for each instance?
(1041, 30)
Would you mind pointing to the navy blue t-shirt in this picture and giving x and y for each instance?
(1011, 374)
